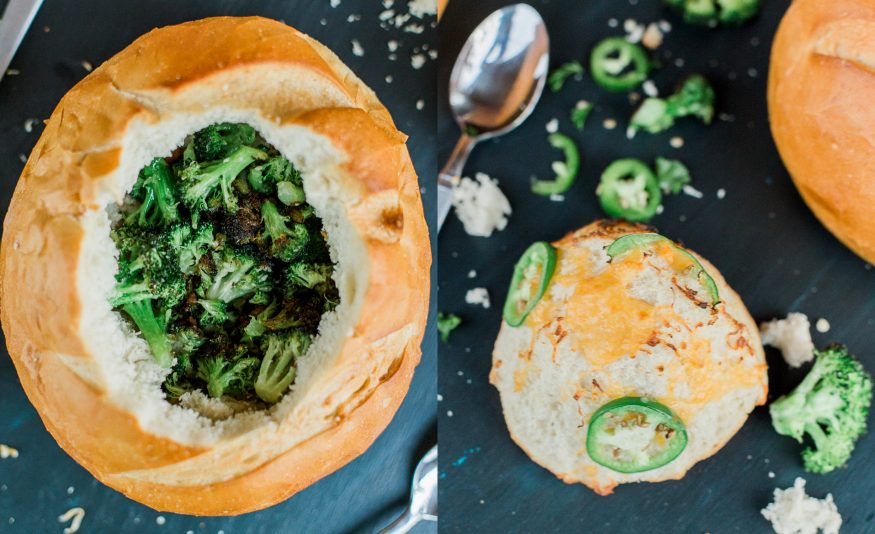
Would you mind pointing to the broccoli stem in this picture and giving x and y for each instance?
(153, 330)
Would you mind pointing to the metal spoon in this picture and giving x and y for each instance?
(423, 504)
(496, 82)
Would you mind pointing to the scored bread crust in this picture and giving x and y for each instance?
(725, 415)
(821, 77)
(280, 75)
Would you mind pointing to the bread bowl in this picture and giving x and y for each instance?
(88, 372)
(821, 76)
(649, 325)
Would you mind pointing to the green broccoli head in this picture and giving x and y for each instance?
(227, 375)
(830, 405)
(695, 97)
(202, 181)
(278, 369)
(190, 244)
(265, 177)
(153, 327)
(218, 140)
(216, 312)
(653, 116)
(737, 11)
(287, 244)
(309, 275)
(235, 275)
(154, 189)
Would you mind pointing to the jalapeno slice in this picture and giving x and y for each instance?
(566, 171)
(634, 434)
(629, 190)
(650, 241)
(618, 65)
(530, 277)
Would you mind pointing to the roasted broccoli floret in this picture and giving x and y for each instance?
(309, 275)
(227, 375)
(278, 366)
(265, 177)
(287, 244)
(236, 275)
(190, 245)
(714, 12)
(830, 405)
(672, 175)
(201, 181)
(446, 323)
(219, 140)
(155, 193)
(695, 97)
(215, 312)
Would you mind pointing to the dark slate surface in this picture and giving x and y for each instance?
(761, 235)
(360, 497)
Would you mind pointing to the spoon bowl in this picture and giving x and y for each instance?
(495, 83)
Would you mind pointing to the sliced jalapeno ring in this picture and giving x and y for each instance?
(634, 434)
(611, 61)
(566, 171)
(629, 190)
(648, 241)
(530, 278)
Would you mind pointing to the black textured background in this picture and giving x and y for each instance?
(762, 237)
(360, 497)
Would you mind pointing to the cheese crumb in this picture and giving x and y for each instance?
(420, 8)
(609, 124)
(822, 325)
(417, 61)
(650, 88)
(472, 274)
(792, 336)
(676, 142)
(420, 104)
(392, 45)
(334, 3)
(357, 49)
(721, 193)
(160, 520)
(12, 72)
(553, 126)
(692, 191)
(652, 37)
(8, 452)
(480, 205)
(28, 124)
(87, 66)
(478, 296)
(794, 512)
(634, 30)
(75, 516)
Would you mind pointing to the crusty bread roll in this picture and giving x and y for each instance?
(94, 383)
(821, 83)
(625, 329)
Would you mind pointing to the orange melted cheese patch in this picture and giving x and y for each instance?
(606, 323)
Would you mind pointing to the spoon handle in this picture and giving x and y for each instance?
(403, 524)
(450, 174)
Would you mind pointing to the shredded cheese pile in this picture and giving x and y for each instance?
(794, 512)
(480, 205)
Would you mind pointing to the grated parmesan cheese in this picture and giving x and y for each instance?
(75, 516)
(792, 336)
(478, 296)
(794, 512)
(480, 205)
(357, 49)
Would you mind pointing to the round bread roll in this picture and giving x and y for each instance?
(94, 382)
(821, 76)
(604, 330)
